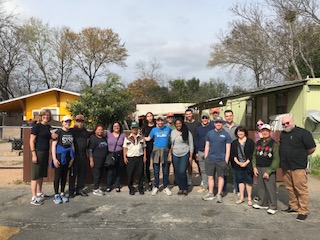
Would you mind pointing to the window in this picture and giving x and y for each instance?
(249, 113)
(281, 102)
(54, 113)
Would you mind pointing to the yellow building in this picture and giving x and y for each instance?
(30, 105)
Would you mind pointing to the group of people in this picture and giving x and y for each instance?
(218, 147)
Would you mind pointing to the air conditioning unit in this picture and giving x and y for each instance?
(314, 116)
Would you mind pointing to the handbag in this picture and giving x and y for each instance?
(249, 165)
(111, 158)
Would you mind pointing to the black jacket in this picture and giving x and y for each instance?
(248, 151)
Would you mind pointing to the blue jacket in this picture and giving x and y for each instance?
(63, 151)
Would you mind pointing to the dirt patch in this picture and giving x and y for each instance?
(11, 177)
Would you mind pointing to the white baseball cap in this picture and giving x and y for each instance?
(65, 118)
(265, 126)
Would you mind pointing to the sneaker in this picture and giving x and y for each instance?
(57, 199)
(189, 180)
(149, 186)
(219, 198)
(155, 191)
(289, 210)
(256, 199)
(180, 192)
(185, 192)
(208, 197)
(271, 211)
(36, 202)
(132, 190)
(301, 218)
(167, 191)
(64, 198)
(42, 196)
(202, 190)
(83, 193)
(257, 206)
(141, 191)
(98, 192)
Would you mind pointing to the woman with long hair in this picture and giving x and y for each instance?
(115, 138)
(181, 154)
(146, 129)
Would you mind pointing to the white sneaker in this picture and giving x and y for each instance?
(208, 197)
(271, 211)
(257, 206)
(219, 198)
(167, 191)
(98, 192)
(155, 191)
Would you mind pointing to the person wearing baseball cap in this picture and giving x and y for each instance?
(79, 168)
(62, 159)
(217, 154)
(265, 162)
(134, 156)
(170, 120)
(215, 112)
(161, 136)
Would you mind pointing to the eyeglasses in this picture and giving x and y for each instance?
(286, 123)
(259, 124)
(78, 120)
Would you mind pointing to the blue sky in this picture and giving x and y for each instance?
(178, 33)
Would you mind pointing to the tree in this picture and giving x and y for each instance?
(103, 103)
(49, 59)
(150, 70)
(182, 90)
(11, 56)
(142, 90)
(282, 45)
(94, 49)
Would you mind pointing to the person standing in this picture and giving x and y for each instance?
(230, 126)
(265, 162)
(192, 125)
(217, 154)
(146, 129)
(181, 151)
(134, 155)
(79, 168)
(39, 147)
(161, 136)
(241, 160)
(62, 159)
(98, 151)
(199, 149)
(295, 145)
(115, 138)
(170, 120)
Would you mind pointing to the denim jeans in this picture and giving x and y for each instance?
(180, 165)
(202, 164)
(165, 172)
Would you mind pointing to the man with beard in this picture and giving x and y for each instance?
(295, 145)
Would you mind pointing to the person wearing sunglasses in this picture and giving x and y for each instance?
(295, 145)
(78, 171)
(258, 134)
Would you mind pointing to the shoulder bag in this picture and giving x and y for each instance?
(111, 157)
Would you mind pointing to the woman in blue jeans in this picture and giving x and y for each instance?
(181, 151)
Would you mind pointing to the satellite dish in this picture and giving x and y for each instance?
(314, 116)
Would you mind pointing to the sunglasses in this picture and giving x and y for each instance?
(214, 112)
(204, 117)
(78, 120)
(286, 123)
(259, 124)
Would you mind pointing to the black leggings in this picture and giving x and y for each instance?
(60, 175)
(147, 165)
